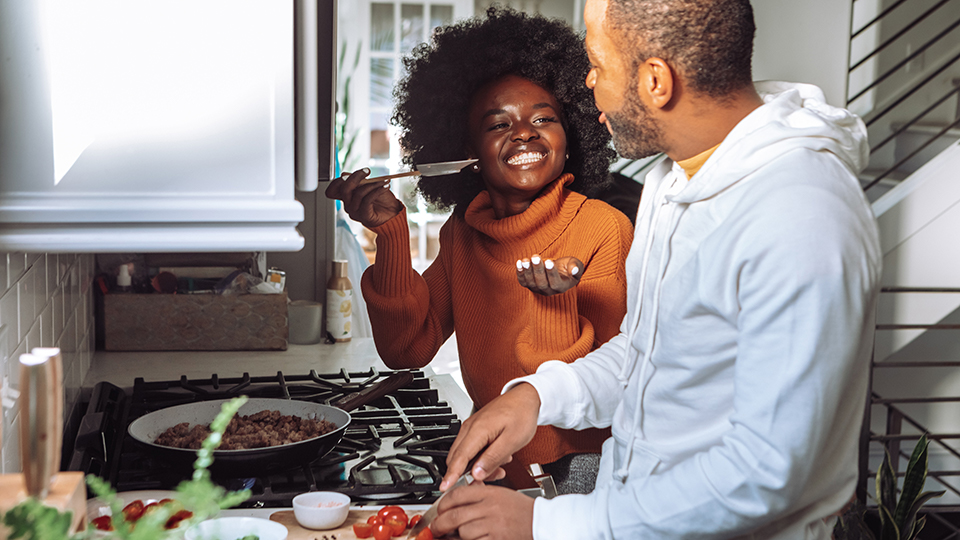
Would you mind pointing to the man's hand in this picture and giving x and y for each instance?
(490, 512)
(549, 277)
(371, 204)
(499, 429)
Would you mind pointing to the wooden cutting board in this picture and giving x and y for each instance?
(343, 532)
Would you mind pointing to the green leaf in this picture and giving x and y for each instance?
(920, 523)
(907, 527)
(888, 527)
(913, 480)
(33, 520)
(887, 488)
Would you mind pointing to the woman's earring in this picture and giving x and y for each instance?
(568, 155)
(475, 167)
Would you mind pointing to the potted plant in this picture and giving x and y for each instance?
(898, 516)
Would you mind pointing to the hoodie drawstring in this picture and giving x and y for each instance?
(623, 472)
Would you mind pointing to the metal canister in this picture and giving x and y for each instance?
(277, 278)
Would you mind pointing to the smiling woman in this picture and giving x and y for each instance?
(529, 269)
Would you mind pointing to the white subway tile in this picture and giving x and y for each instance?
(50, 269)
(40, 275)
(10, 314)
(5, 352)
(12, 369)
(32, 338)
(47, 336)
(28, 300)
(73, 286)
(65, 261)
(58, 318)
(17, 264)
(3, 272)
(11, 446)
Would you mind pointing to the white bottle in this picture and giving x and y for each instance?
(339, 303)
(123, 279)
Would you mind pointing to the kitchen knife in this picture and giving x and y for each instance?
(431, 512)
(427, 169)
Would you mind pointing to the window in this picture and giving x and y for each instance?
(374, 37)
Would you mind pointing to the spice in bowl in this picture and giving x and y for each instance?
(321, 510)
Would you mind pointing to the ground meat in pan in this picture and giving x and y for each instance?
(258, 430)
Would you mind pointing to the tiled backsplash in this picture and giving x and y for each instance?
(45, 301)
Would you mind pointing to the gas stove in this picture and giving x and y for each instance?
(393, 451)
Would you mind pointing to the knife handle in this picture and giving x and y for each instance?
(351, 401)
(388, 177)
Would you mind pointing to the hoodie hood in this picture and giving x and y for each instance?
(793, 116)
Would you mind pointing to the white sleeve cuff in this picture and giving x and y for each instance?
(567, 516)
(560, 398)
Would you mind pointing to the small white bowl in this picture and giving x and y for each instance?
(232, 528)
(321, 510)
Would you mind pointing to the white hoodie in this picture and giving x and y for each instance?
(736, 387)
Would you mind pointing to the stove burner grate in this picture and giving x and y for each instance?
(393, 451)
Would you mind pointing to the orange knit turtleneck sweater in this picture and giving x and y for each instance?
(504, 330)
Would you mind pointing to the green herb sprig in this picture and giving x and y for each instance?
(32, 520)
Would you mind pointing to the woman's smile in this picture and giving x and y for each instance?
(525, 158)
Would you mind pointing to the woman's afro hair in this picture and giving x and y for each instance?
(433, 99)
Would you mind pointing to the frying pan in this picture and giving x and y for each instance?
(253, 461)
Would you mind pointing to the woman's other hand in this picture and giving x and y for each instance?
(371, 204)
(549, 277)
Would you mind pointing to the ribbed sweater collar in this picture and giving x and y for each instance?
(531, 231)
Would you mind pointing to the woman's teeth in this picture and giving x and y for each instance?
(525, 158)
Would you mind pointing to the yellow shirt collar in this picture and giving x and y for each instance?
(692, 165)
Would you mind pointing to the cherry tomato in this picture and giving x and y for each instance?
(133, 511)
(176, 518)
(374, 520)
(425, 534)
(382, 532)
(102, 523)
(390, 509)
(414, 520)
(397, 525)
(362, 530)
(149, 508)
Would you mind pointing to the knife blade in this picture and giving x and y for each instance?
(432, 512)
(426, 169)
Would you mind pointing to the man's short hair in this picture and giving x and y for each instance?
(710, 42)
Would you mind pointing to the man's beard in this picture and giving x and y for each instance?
(636, 134)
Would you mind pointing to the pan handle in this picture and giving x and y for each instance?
(351, 401)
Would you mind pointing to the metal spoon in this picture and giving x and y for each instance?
(427, 169)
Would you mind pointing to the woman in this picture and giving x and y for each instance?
(529, 269)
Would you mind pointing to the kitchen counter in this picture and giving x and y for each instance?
(121, 368)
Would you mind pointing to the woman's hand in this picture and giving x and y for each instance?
(549, 277)
(371, 204)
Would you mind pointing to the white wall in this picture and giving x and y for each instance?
(46, 300)
(803, 42)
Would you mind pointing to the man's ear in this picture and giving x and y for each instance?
(656, 82)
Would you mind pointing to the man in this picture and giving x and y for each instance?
(735, 390)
